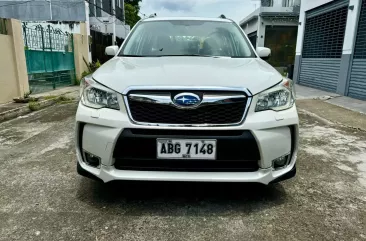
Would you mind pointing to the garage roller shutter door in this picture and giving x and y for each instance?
(323, 43)
(357, 85)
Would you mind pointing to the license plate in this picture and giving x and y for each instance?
(186, 149)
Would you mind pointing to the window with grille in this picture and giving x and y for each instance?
(253, 38)
(324, 34)
(267, 3)
(107, 6)
(288, 3)
(360, 48)
(91, 8)
(98, 8)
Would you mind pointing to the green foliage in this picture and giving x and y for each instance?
(131, 14)
(85, 73)
(97, 64)
(34, 106)
(92, 67)
(50, 97)
(27, 94)
(134, 3)
(64, 99)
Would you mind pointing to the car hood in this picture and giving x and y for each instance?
(254, 74)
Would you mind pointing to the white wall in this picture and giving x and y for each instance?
(277, 3)
(251, 26)
(351, 27)
(254, 13)
(121, 29)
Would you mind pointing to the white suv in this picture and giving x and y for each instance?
(187, 99)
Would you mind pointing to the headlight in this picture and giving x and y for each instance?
(97, 96)
(280, 97)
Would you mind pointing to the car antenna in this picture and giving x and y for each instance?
(222, 16)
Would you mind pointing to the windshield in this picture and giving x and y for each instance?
(187, 38)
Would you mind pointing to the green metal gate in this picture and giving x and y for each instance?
(49, 55)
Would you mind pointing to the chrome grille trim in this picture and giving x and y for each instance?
(166, 100)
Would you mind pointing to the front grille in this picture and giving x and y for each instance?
(236, 151)
(214, 114)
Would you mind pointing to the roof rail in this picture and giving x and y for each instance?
(222, 16)
(152, 15)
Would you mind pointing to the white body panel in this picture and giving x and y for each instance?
(251, 73)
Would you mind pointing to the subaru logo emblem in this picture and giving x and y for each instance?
(186, 100)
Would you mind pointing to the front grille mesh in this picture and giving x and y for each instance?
(230, 113)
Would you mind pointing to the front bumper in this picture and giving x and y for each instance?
(275, 133)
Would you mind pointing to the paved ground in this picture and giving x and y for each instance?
(42, 197)
(303, 92)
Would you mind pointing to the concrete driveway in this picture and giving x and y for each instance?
(42, 197)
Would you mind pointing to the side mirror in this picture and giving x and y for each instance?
(111, 50)
(264, 53)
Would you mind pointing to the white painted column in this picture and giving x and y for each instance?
(87, 23)
(114, 21)
(300, 30)
(348, 46)
(351, 26)
(261, 32)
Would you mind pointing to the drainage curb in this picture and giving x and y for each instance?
(14, 113)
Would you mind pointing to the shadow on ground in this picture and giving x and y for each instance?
(177, 198)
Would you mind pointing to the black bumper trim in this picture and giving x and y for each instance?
(87, 174)
(285, 176)
(236, 151)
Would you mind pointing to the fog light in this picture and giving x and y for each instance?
(280, 162)
(91, 160)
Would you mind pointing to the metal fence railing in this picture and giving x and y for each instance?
(3, 29)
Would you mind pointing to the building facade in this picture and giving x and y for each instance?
(107, 26)
(107, 17)
(331, 46)
(274, 25)
(104, 19)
